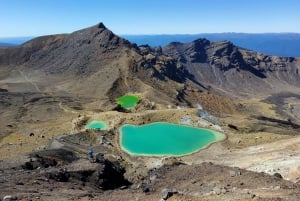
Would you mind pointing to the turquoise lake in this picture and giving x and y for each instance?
(165, 139)
(96, 125)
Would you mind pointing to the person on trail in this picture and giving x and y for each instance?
(91, 154)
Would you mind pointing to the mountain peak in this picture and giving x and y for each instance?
(99, 36)
(101, 26)
(203, 41)
(98, 28)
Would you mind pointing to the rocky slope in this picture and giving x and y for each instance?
(227, 67)
(90, 62)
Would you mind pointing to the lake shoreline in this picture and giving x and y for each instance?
(217, 138)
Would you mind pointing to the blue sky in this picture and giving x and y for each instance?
(43, 17)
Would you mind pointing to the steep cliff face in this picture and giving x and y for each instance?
(281, 69)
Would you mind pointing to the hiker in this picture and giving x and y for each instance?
(91, 154)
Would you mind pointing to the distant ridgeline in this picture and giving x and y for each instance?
(277, 44)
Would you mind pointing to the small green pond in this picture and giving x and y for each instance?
(128, 101)
(165, 139)
(99, 125)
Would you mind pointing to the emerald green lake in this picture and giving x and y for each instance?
(165, 139)
(128, 101)
(96, 125)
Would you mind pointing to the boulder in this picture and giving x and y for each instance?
(166, 193)
(278, 175)
(234, 173)
(9, 198)
(3, 90)
(146, 188)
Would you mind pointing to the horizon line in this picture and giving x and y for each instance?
(157, 34)
(208, 33)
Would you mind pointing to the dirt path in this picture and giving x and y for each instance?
(30, 81)
(65, 109)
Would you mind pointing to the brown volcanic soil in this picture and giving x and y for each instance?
(51, 86)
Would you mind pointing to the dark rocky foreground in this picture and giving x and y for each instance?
(67, 174)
